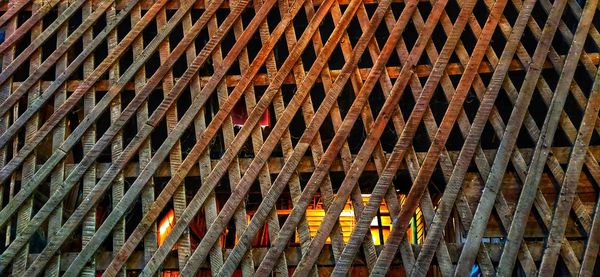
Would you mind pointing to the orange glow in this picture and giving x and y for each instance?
(165, 226)
(380, 226)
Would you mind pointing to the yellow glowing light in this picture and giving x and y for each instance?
(165, 226)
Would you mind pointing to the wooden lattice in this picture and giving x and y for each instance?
(229, 120)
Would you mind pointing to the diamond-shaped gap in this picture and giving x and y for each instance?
(247, 15)
(371, 8)
(575, 115)
(407, 103)
(354, 36)
(308, 57)
(195, 13)
(424, 8)
(437, 181)
(226, 45)
(421, 142)
(517, 77)
(511, 13)
(327, 131)
(376, 100)
(175, 36)
(326, 27)
(455, 140)
(480, 11)
(273, 18)
(498, 45)
(389, 138)
(357, 137)
(382, 33)
(277, 109)
(456, 61)
(486, 66)
(438, 37)
(438, 104)
(317, 95)
(561, 267)
(73, 23)
(129, 130)
(593, 45)
(529, 42)
(346, 99)
(584, 79)
(524, 140)
(471, 102)
(254, 46)
(365, 60)
(469, 40)
(151, 65)
(396, 8)
(297, 127)
(452, 9)
(569, 20)
(537, 109)
(488, 138)
(22, 73)
(103, 125)
(300, 22)
(280, 51)
(337, 59)
(410, 35)
(188, 140)
(201, 40)
(368, 178)
(540, 13)
(560, 43)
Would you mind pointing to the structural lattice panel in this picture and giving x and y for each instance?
(305, 137)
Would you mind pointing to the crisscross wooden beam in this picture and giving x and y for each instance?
(508, 141)
(119, 116)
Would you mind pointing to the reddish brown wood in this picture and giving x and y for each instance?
(484, 112)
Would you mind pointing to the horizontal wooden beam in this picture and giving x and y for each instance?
(293, 255)
(262, 79)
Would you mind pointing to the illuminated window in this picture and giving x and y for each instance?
(165, 226)
(381, 224)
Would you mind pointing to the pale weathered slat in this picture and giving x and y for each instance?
(569, 185)
(58, 137)
(494, 71)
(508, 141)
(26, 209)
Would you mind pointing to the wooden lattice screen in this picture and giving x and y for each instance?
(304, 137)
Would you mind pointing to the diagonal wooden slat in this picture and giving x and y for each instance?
(305, 142)
(88, 140)
(452, 189)
(57, 138)
(400, 83)
(195, 152)
(451, 114)
(519, 166)
(286, 118)
(25, 211)
(546, 136)
(152, 121)
(508, 141)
